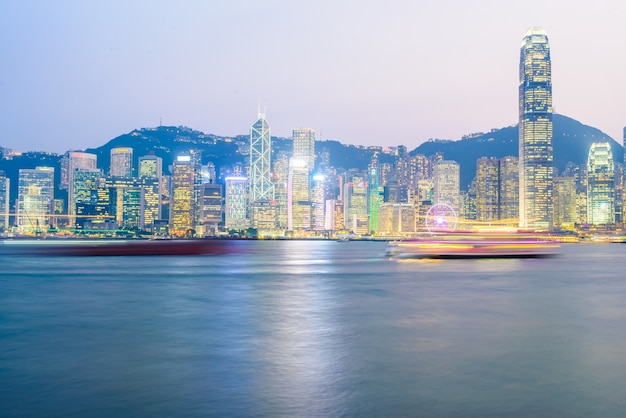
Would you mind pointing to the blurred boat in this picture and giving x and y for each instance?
(458, 247)
(114, 247)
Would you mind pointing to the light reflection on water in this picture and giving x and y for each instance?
(305, 328)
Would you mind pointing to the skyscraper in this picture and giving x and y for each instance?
(447, 184)
(5, 183)
(183, 203)
(236, 203)
(121, 162)
(75, 161)
(535, 131)
(34, 198)
(261, 187)
(600, 184)
(304, 146)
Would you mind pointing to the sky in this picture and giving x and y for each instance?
(75, 74)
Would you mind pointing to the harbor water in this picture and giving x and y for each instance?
(314, 329)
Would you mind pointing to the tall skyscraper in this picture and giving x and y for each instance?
(600, 184)
(304, 146)
(447, 184)
(565, 210)
(34, 198)
(121, 162)
(5, 183)
(261, 187)
(150, 166)
(236, 203)
(535, 131)
(487, 189)
(182, 208)
(299, 195)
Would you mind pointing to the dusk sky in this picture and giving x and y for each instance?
(75, 74)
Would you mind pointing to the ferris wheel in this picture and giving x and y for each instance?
(441, 218)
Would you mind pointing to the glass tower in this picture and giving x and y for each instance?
(261, 187)
(121, 162)
(535, 131)
(34, 199)
(600, 184)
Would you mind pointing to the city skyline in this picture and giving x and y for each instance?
(360, 73)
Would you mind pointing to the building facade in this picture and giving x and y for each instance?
(535, 131)
(600, 185)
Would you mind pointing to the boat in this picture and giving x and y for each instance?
(473, 246)
(115, 247)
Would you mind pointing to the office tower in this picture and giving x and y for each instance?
(236, 217)
(304, 146)
(84, 198)
(5, 189)
(261, 187)
(212, 208)
(487, 190)
(318, 204)
(355, 198)
(535, 131)
(564, 202)
(509, 189)
(280, 179)
(126, 200)
(376, 192)
(75, 161)
(600, 184)
(121, 162)
(208, 174)
(446, 188)
(397, 218)
(151, 174)
(150, 166)
(299, 195)
(182, 208)
(35, 196)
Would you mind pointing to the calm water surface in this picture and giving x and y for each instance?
(306, 329)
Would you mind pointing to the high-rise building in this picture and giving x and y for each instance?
(600, 184)
(535, 131)
(182, 208)
(211, 208)
(75, 161)
(150, 166)
(509, 189)
(304, 146)
(84, 198)
(121, 162)
(487, 190)
(5, 183)
(236, 203)
(564, 201)
(34, 198)
(299, 195)
(356, 194)
(261, 187)
(447, 184)
(280, 178)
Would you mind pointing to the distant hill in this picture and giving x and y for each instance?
(571, 141)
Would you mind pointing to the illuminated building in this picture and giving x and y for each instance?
(535, 131)
(397, 218)
(375, 192)
(487, 189)
(564, 202)
(35, 196)
(280, 179)
(299, 195)
(84, 198)
(304, 146)
(356, 200)
(447, 188)
(5, 183)
(261, 187)
(212, 208)
(509, 189)
(600, 184)
(182, 207)
(236, 203)
(121, 162)
(150, 166)
(333, 216)
(150, 174)
(76, 161)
